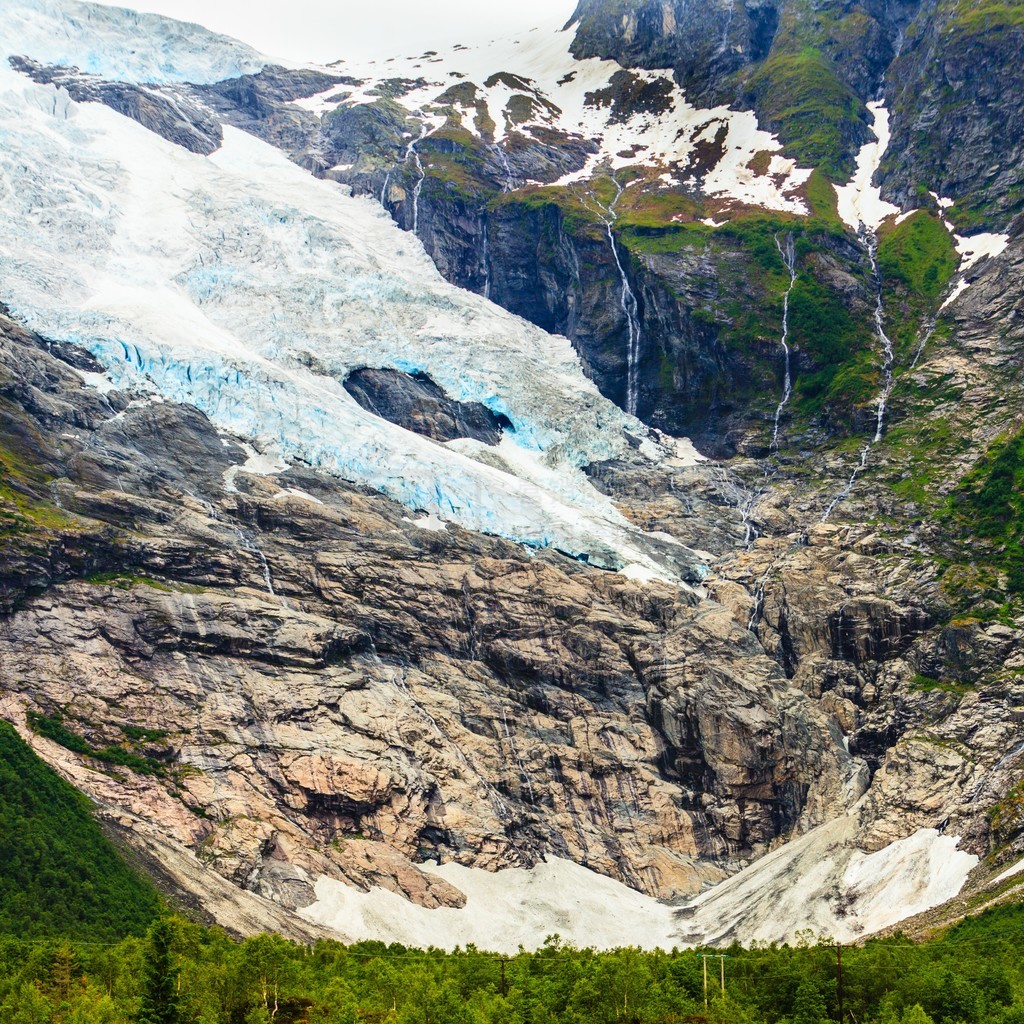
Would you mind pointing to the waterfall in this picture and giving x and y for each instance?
(384, 190)
(758, 610)
(412, 153)
(888, 352)
(510, 181)
(416, 193)
(723, 46)
(746, 510)
(251, 545)
(926, 336)
(519, 761)
(788, 255)
(486, 257)
(846, 491)
(630, 307)
(888, 359)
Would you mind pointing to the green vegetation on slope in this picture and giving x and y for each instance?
(917, 260)
(53, 728)
(919, 253)
(59, 875)
(972, 975)
(983, 16)
(841, 345)
(800, 96)
(989, 505)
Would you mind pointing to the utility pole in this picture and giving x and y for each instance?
(839, 977)
(503, 976)
(721, 957)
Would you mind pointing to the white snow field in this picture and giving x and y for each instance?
(242, 285)
(819, 883)
(860, 202)
(536, 66)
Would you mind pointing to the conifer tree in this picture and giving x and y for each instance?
(161, 1000)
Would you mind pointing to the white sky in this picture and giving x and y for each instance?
(324, 30)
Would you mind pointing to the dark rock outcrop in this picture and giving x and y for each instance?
(957, 128)
(170, 113)
(416, 402)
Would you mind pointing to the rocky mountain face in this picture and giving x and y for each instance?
(292, 679)
(267, 673)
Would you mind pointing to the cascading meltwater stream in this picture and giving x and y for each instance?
(788, 254)
(411, 153)
(486, 256)
(510, 180)
(887, 346)
(630, 307)
(870, 239)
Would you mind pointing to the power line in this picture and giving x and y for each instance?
(712, 956)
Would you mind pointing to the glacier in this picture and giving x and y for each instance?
(240, 284)
(122, 45)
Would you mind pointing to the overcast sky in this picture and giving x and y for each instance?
(324, 30)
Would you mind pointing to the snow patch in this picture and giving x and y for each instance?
(971, 250)
(503, 910)
(961, 286)
(1010, 872)
(822, 882)
(257, 464)
(860, 202)
(979, 247)
(294, 492)
(100, 381)
(819, 882)
(642, 574)
(428, 522)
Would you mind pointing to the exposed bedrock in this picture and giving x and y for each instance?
(307, 683)
(170, 113)
(416, 402)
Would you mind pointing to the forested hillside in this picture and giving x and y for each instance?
(972, 975)
(59, 875)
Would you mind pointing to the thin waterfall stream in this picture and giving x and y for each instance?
(870, 239)
(486, 242)
(510, 180)
(630, 307)
(788, 254)
(628, 300)
(888, 352)
(411, 153)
